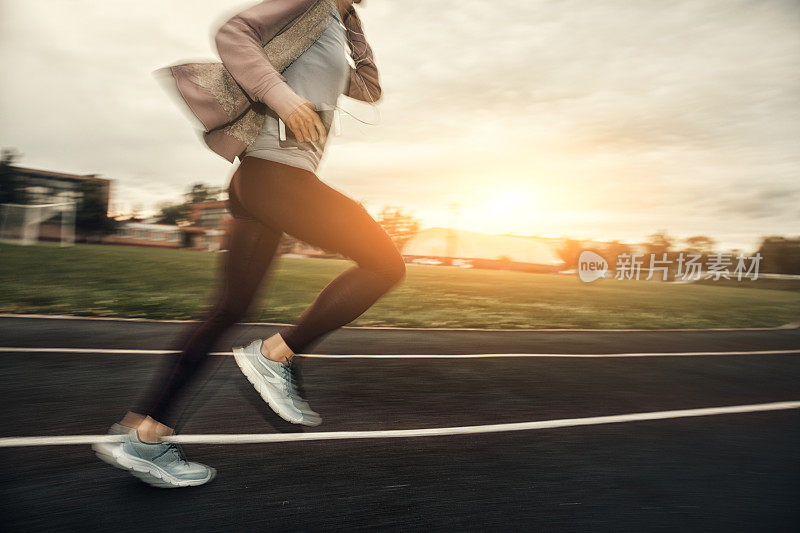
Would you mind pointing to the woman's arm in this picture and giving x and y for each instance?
(364, 80)
(239, 44)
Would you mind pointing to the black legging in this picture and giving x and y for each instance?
(267, 199)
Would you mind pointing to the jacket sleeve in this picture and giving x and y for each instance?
(239, 43)
(364, 80)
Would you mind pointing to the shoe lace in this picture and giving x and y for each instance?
(289, 378)
(177, 451)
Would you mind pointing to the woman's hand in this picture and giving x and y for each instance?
(306, 124)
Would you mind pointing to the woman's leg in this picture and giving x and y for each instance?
(296, 202)
(251, 248)
(266, 199)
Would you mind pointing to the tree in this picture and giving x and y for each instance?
(200, 192)
(9, 156)
(781, 255)
(177, 213)
(399, 225)
(569, 252)
(613, 250)
(172, 213)
(699, 244)
(658, 243)
(92, 216)
(9, 191)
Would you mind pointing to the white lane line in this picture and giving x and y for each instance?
(116, 351)
(112, 351)
(256, 438)
(568, 355)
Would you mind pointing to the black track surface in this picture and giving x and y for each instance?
(721, 473)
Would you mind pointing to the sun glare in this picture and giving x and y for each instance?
(502, 211)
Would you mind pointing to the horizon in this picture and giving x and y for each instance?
(148, 214)
(676, 241)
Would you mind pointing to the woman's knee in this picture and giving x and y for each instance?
(392, 267)
(399, 268)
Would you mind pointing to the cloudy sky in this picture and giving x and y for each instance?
(592, 119)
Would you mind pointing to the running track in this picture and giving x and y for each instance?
(721, 472)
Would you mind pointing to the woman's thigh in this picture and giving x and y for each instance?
(296, 202)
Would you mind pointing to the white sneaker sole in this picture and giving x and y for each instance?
(262, 387)
(105, 452)
(153, 474)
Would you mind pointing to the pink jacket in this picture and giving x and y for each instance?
(240, 43)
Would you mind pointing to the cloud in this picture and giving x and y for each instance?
(626, 116)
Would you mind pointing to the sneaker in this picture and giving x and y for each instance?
(310, 418)
(276, 384)
(161, 464)
(105, 450)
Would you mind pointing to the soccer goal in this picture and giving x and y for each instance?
(26, 224)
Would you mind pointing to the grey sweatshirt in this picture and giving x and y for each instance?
(319, 75)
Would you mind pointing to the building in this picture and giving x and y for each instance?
(20, 185)
(444, 246)
(29, 186)
(205, 230)
(291, 246)
(207, 226)
(142, 234)
(209, 214)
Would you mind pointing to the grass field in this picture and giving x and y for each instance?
(152, 283)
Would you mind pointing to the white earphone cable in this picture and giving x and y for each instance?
(362, 56)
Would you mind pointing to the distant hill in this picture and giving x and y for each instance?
(460, 244)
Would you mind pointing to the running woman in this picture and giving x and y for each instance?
(273, 191)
